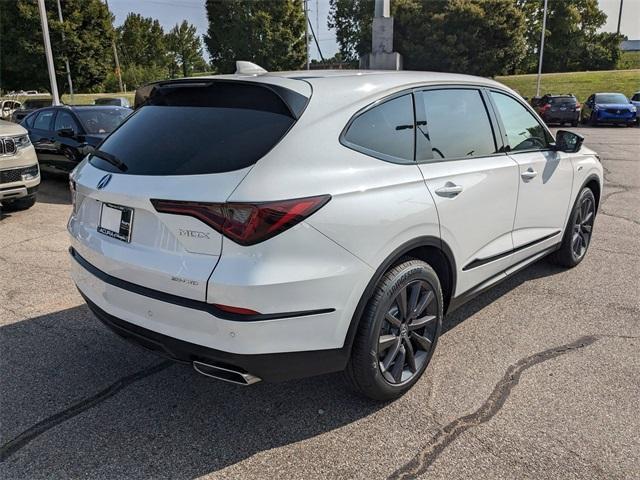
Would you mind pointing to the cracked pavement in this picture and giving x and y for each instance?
(537, 378)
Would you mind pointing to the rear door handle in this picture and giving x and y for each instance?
(530, 174)
(449, 190)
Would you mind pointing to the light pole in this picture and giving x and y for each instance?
(544, 29)
(620, 16)
(66, 59)
(306, 31)
(47, 52)
(115, 54)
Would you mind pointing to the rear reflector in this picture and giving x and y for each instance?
(246, 223)
(236, 310)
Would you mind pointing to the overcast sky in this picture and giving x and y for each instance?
(170, 12)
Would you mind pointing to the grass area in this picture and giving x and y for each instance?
(581, 84)
(88, 98)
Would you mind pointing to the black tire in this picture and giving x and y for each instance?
(414, 336)
(23, 203)
(578, 232)
(574, 123)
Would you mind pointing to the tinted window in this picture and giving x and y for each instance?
(636, 97)
(43, 120)
(562, 101)
(97, 121)
(385, 131)
(457, 125)
(522, 129)
(198, 130)
(611, 98)
(65, 120)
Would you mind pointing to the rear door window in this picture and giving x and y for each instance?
(43, 120)
(457, 125)
(385, 131)
(191, 129)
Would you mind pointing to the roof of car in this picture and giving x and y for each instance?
(92, 107)
(353, 85)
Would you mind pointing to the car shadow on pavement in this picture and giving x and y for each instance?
(166, 423)
(54, 189)
(90, 404)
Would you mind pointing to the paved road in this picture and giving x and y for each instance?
(539, 378)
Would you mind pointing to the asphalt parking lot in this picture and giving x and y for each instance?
(538, 378)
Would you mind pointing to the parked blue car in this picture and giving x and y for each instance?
(609, 108)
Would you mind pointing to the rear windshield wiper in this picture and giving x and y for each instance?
(112, 159)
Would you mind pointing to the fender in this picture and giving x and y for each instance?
(425, 241)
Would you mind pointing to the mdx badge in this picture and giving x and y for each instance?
(192, 233)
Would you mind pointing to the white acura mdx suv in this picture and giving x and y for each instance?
(281, 225)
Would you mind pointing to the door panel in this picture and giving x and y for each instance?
(477, 222)
(545, 190)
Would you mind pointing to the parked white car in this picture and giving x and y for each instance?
(19, 171)
(7, 107)
(281, 225)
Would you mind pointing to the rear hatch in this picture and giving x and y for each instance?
(190, 141)
(561, 106)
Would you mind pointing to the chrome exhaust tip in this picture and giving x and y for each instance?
(226, 374)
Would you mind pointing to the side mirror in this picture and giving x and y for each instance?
(66, 132)
(568, 142)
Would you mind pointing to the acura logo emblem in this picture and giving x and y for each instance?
(104, 181)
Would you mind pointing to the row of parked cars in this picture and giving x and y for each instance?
(54, 138)
(599, 108)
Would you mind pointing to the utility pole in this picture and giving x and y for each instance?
(66, 59)
(47, 52)
(544, 28)
(115, 54)
(620, 16)
(306, 31)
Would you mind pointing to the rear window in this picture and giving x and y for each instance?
(562, 101)
(191, 129)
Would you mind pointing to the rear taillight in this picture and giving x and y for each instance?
(246, 223)
(578, 106)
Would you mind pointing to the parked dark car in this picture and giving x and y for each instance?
(64, 135)
(609, 108)
(558, 109)
(28, 106)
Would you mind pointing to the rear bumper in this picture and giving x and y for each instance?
(275, 367)
(275, 349)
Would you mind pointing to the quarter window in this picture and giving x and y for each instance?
(523, 131)
(385, 131)
(43, 120)
(457, 126)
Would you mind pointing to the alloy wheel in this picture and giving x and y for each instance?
(582, 227)
(407, 332)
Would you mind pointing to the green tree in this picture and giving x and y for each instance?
(483, 37)
(141, 41)
(351, 20)
(185, 49)
(572, 40)
(88, 29)
(269, 33)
